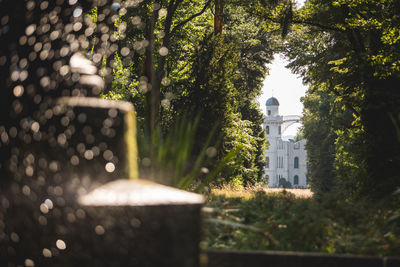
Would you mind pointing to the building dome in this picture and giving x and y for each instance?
(272, 102)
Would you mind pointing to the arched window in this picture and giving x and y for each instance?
(296, 162)
(267, 162)
(267, 129)
(269, 112)
(296, 179)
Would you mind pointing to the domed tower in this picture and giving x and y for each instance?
(272, 127)
(272, 107)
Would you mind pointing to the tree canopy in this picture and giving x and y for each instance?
(202, 58)
(208, 59)
(348, 52)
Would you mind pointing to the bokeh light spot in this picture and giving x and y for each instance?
(110, 167)
(77, 12)
(29, 263)
(60, 244)
(115, 6)
(18, 90)
(163, 51)
(99, 230)
(47, 253)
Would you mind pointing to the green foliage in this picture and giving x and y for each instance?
(218, 77)
(346, 51)
(285, 223)
(170, 153)
(215, 73)
(243, 169)
(349, 163)
(299, 135)
(280, 221)
(123, 87)
(175, 162)
(93, 14)
(323, 119)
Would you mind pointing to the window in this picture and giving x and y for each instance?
(267, 129)
(279, 130)
(296, 162)
(280, 162)
(267, 162)
(296, 179)
(269, 112)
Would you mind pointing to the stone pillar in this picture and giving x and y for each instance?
(68, 207)
(139, 223)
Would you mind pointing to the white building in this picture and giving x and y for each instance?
(285, 159)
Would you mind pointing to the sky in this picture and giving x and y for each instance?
(284, 86)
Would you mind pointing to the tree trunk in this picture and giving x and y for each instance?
(218, 17)
(148, 71)
(379, 115)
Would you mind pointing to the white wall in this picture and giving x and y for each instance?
(286, 150)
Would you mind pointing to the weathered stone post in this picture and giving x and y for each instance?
(140, 223)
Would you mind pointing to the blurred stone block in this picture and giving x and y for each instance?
(108, 125)
(76, 144)
(137, 223)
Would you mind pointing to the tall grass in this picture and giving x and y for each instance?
(171, 158)
(248, 192)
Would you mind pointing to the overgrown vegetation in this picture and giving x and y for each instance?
(256, 220)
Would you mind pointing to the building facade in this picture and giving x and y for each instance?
(286, 161)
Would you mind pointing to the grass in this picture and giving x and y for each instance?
(246, 193)
(257, 218)
(171, 158)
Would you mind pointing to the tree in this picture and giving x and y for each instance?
(205, 73)
(354, 58)
(153, 29)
